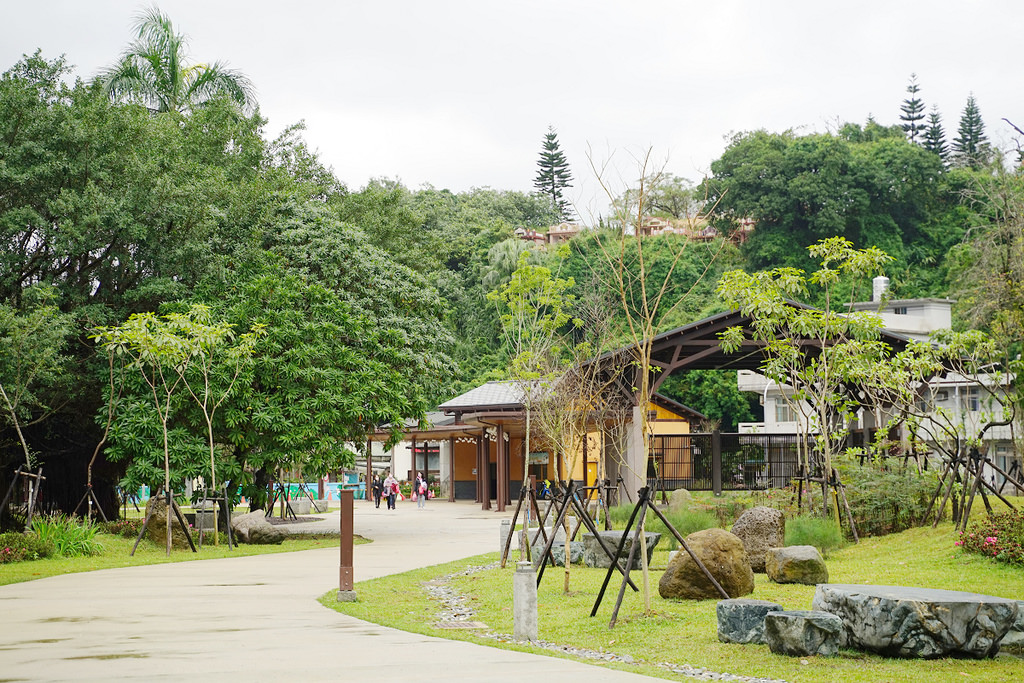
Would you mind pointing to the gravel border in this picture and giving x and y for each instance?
(455, 610)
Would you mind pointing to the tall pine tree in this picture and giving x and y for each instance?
(912, 110)
(554, 175)
(970, 146)
(935, 135)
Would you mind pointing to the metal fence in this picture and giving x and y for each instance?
(723, 462)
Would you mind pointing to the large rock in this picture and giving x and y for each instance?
(254, 528)
(760, 528)
(796, 564)
(803, 633)
(594, 556)
(918, 622)
(742, 620)
(723, 555)
(266, 534)
(1013, 641)
(157, 528)
(558, 553)
(679, 499)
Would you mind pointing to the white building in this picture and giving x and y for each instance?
(955, 400)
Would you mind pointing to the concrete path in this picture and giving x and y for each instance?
(257, 619)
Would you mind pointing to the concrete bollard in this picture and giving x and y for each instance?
(524, 602)
(506, 529)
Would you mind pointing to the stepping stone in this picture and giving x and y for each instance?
(741, 620)
(803, 633)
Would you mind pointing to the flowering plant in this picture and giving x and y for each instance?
(1000, 536)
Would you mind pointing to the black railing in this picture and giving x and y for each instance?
(723, 462)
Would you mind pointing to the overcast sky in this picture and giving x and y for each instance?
(459, 94)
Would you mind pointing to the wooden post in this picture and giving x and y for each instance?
(451, 469)
(479, 459)
(485, 475)
(501, 470)
(716, 462)
(346, 590)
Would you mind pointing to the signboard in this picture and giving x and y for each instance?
(539, 458)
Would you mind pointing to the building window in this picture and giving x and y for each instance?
(972, 400)
(784, 412)
(900, 310)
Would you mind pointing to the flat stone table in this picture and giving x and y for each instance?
(917, 622)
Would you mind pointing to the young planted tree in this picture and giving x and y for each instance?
(534, 307)
(553, 175)
(814, 351)
(646, 297)
(151, 345)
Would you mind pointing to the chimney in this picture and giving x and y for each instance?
(879, 286)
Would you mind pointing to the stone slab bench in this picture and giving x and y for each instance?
(900, 621)
(803, 633)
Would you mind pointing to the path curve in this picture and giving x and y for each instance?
(257, 619)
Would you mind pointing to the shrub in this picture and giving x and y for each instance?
(686, 521)
(889, 498)
(69, 537)
(129, 528)
(19, 547)
(823, 534)
(1000, 537)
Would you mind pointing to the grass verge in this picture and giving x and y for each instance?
(115, 551)
(684, 632)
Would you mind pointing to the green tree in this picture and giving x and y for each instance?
(32, 362)
(970, 146)
(935, 135)
(912, 112)
(554, 175)
(845, 344)
(153, 71)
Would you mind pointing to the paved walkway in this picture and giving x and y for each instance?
(257, 619)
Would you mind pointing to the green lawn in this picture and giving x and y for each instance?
(116, 549)
(684, 632)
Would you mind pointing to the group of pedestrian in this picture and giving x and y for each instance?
(387, 488)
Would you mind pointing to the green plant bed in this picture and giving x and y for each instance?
(685, 632)
(115, 551)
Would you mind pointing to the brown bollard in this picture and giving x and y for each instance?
(346, 591)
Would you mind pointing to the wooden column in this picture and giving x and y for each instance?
(501, 470)
(485, 475)
(451, 469)
(369, 470)
(479, 460)
(412, 474)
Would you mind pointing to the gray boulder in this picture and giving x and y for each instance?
(680, 498)
(723, 555)
(156, 531)
(254, 528)
(594, 556)
(558, 553)
(266, 535)
(742, 620)
(760, 528)
(796, 564)
(1013, 641)
(899, 621)
(803, 633)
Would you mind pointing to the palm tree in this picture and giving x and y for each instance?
(152, 71)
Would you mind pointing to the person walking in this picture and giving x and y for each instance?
(391, 490)
(421, 490)
(378, 489)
